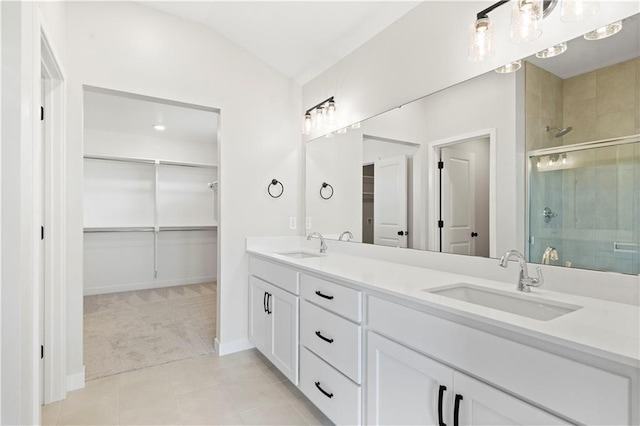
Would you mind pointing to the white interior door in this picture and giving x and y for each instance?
(40, 173)
(390, 202)
(458, 201)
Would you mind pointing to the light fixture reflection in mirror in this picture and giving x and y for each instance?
(481, 40)
(552, 51)
(604, 32)
(511, 67)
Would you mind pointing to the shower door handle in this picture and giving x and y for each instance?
(474, 234)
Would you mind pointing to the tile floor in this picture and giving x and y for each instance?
(242, 388)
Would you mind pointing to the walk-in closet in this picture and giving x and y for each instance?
(150, 231)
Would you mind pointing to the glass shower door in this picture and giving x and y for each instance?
(584, 205)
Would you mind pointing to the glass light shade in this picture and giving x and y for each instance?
(512, 67)
(604, 32)
(330, 112)
(578, 10)
(318, 119)
(552, 51)
(355, 125)
(481, 40)
(159, 127)
(342, 131)
(307, 124)
(526, 20)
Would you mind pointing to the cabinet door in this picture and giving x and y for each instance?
(403, 386)
(482, 404)
(284, 332)
(259, 320)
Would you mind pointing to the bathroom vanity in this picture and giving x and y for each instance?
(374, 342)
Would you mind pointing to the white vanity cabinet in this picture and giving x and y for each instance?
(331, 348)
(273, 315)
(406, 387)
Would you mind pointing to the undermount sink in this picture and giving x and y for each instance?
(299, 255)
(524, 305)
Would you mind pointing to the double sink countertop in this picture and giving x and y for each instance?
(601, 328)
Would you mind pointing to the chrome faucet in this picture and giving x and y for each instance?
(550, 253)
(323, 245)
(525, 282)
(348, 234)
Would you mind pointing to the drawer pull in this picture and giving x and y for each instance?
(456, 410)
(440, 395)
(323, 295)
(264, 301)
(323, 338)
(324, 392)
(269, 311)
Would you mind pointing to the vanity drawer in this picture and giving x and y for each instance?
(342, 300)
(280, 276)
(578, 391)
(335, 395)
(333, 338)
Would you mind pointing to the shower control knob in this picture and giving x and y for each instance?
(474, 234)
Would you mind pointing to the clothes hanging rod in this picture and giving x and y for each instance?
(120, 229)
(150, 161)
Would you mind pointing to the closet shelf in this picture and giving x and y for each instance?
(121, 229)
(150, 161)
(150, 228)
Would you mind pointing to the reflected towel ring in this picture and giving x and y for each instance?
(275, 182)
(325, 185)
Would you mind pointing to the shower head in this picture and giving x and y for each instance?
(561, 132)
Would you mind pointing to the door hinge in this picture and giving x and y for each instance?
(441, 224)
(41, 233)
(41, 351)
(41, 113)
(440, 165)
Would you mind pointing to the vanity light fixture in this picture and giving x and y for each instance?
(341, 131)
(526, 25)
(604, 32)
(526, 20)
(552, 51)
(578, 10)
(159, 127)
(355, 125)
(316, 116)
(511, 67)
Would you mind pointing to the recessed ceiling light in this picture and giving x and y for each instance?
(552, 51)
(511, 67)
(159, 127)
(604, 32)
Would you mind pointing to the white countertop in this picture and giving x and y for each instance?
(606, 329)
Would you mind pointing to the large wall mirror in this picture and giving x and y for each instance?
(545, 159)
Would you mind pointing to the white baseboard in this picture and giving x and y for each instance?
(75, 381)
(231, 347)
(147, 285)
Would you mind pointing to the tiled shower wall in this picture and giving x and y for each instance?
(597, 195)
(600, 104)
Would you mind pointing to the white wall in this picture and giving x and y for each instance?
(132, 48)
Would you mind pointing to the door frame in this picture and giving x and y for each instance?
(433, 153)
(55, 377)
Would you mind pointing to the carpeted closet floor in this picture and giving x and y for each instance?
(137, 329)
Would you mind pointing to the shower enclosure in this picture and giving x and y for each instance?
(584, 202)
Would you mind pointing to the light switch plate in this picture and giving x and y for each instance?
(308, 222)
(293, 222)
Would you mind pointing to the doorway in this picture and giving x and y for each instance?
(463, 221)
(150, 231)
